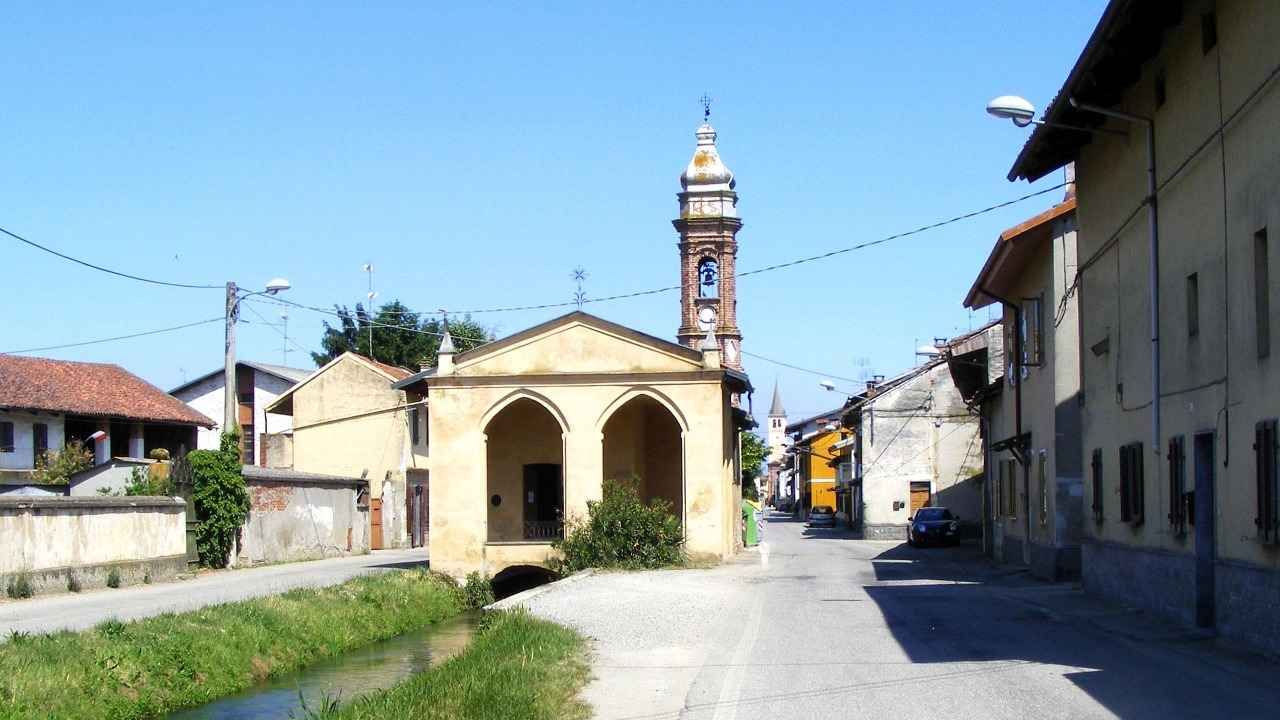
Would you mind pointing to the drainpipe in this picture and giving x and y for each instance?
(1017, 419)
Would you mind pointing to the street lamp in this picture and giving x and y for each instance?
(827, 385)
(231, 398)
(1022, 113)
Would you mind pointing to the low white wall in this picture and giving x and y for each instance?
(55, 533)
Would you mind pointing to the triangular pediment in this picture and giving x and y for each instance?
(577, 343)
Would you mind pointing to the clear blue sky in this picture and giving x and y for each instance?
(476, 154)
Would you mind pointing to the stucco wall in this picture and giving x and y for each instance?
(302, 520)
(111, 476)
(348, 421)
(23, 457)
(207, 395)
(50, 538)
(596, 372)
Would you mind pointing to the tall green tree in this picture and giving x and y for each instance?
(400, 336)
(754, 452)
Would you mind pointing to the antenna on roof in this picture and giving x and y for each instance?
(706, 107)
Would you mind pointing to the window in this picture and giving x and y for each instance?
(1009, 493)
(1161, 93)
(40, 442)
(1096, 469)
(1032, 346)
(1208, 31)
(1177, 486)
(415, 435)
(1264, 453)
(6, 436)
(246, 445)
(1193, 305)
(1262, 292)
(1131, 483)
(1044, 488)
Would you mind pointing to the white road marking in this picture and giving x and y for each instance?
(731, 690)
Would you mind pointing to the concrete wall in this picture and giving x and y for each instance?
(582, 397)
(109, 477)
(23, 455)
(348, 421)
(1213, 381)
(918, 431)
(51, 539)
(292, 519)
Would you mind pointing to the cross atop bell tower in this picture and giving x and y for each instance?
(708, 227)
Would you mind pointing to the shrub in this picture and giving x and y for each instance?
(113, 578)
(73, 583)
(220, 498)
(621, 531)
(55, 467)
(143, 482)
(20, 587)
(477, 592)
(158, 454)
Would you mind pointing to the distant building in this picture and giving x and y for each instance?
(813, 479)
(258, 385)
(46, 403)
(776, 440)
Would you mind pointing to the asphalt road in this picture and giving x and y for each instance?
(77, 611)
(817, 624)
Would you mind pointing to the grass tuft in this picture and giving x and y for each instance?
(517, 668)
(151, 667)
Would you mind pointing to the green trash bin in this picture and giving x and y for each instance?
(750, 536)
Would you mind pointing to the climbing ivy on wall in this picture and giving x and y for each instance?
(220, 498)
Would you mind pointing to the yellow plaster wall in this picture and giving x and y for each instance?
(523, 433)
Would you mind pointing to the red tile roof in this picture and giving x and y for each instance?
(395, 371)
(95, 389)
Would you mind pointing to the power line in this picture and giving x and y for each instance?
(279, 332)
(369, 319)
(109, 271)
(118, 337)
(797, 367)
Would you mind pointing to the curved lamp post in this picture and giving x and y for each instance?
(231, 398)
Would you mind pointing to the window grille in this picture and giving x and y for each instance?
(1264, 452)
(1177, 486)
(1131, 483)
(1096, 467)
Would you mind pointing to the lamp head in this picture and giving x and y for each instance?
(277, 285)
(826, 385)
(1012, 107)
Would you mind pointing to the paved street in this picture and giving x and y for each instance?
(84, 610)
(820, 625)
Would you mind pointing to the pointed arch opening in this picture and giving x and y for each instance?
(525, 473)
(643, 442)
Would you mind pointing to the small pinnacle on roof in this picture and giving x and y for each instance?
(446, 342)
(709, 342)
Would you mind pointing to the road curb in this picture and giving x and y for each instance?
(520, 598)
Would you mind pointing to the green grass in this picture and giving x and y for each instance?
(517, 668)
(149, 667)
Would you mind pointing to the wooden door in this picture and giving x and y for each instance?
(919, 496)
(375, 524)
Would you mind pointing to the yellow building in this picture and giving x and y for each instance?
(812, 451)
(525, 430)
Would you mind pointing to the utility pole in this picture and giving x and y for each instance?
(230, 398)
(284, 346)
(368, 267)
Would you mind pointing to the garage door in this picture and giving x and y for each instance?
(919, 496)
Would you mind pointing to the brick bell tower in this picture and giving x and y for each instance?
(708, 227)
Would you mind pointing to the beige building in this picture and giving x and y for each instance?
(1031, 411)
(1181, 485)
(349, 421)
(525, 430)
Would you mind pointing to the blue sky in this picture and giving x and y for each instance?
(476, 155)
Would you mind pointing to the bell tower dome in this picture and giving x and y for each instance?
(708, 226)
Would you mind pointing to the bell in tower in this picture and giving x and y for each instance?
(708, 226)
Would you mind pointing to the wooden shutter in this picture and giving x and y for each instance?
(1177, 485)
(1264, 452)
(1097, 484)
(1137, 505)
(1126, 478)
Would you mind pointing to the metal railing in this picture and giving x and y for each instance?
(543, 530)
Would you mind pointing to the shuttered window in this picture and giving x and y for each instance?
(1264, 453)
(1096, 469)
(1131, 483)
(1177, 485)
(39, 442)
(1044, 488)
(414, 424)
(1011, 488)
(6, 436)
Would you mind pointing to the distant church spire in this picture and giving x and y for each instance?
(776, 409)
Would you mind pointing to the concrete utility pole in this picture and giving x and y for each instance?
(229, 396)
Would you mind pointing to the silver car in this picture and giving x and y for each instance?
(822, 516)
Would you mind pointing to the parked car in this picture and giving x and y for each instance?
(933, 525)
(822, 516)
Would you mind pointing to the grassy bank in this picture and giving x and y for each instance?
(145, 668)
(517, 668)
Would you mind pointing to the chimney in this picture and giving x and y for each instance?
(444, 357)
(710, 351)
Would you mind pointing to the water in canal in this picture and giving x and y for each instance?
(373, 667)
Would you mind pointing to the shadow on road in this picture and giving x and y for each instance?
(404, 564)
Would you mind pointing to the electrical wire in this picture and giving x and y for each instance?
(370, 321)
(109, 271)
(279, 332)
(111, 339)
(797, 367)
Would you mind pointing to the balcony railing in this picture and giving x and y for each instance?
(543, 530)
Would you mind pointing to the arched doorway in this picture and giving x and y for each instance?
(642, 442)
(525, 474)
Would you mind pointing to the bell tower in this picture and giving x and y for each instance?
(708, 226)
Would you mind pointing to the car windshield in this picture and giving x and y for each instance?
(933, 514)
(822, 509)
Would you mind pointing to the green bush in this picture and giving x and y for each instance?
(113, 578)
(220, 498)
(20, 587)
(477, 592)
(142, 482)
(621, 531)
(73, 583)
(55, 467)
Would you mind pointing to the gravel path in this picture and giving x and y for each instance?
(816, 624)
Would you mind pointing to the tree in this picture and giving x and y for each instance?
(55, 467)
(754, 452)
(400, 336)
(220, 499)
